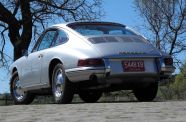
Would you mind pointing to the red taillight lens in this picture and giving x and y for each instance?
(168, 61)
(91, 62)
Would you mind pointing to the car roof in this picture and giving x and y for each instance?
(67, 24)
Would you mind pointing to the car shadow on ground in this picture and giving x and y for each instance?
(99, 102)
(122, 101)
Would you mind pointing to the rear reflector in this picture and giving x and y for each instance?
(91, 62)
(168, 61)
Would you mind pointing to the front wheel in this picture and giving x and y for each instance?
(62, 88)
(90, 97)
(147, 93)
(19, 96)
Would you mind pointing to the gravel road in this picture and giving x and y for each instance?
(97, 112)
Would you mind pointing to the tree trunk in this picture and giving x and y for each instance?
(17, 53)
(21, 42)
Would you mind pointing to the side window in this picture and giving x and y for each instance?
(60, 38)
(47, 40)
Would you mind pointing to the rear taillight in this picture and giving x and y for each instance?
(168, 61)
(91, 62)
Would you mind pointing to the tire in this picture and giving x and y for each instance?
(62, 88)
(17, 93)
(90, 97)
(148, 93)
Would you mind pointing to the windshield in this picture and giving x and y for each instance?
(101, 29)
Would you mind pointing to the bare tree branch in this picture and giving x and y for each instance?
(21, 19)
(166, 21)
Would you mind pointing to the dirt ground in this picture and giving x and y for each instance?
(96, 112)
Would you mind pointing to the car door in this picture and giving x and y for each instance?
(34, 60)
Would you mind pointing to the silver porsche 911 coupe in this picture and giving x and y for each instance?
(89, 58)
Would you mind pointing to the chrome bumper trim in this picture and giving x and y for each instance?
(84, 73)
(168, 69)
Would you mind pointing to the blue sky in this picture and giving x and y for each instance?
(121, 11)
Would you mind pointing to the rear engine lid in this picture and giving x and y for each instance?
(124, 46)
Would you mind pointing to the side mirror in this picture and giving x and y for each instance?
(25, 52)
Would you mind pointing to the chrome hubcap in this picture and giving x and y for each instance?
(18, 91)
(58, 84)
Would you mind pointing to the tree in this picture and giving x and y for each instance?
(166, 21)
(20, 19)
(179, 86)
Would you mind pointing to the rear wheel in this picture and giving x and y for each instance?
(18, 95)
(62, 88)
(148, 93)
(90, 96)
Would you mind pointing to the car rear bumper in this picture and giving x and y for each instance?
(103, 75)
(115, 75)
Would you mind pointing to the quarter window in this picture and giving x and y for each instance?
(60, 38)
(47, 40)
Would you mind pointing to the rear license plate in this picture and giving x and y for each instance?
(133, 66)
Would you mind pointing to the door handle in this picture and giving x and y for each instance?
(40, 56)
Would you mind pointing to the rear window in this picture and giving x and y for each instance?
(101, 29)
